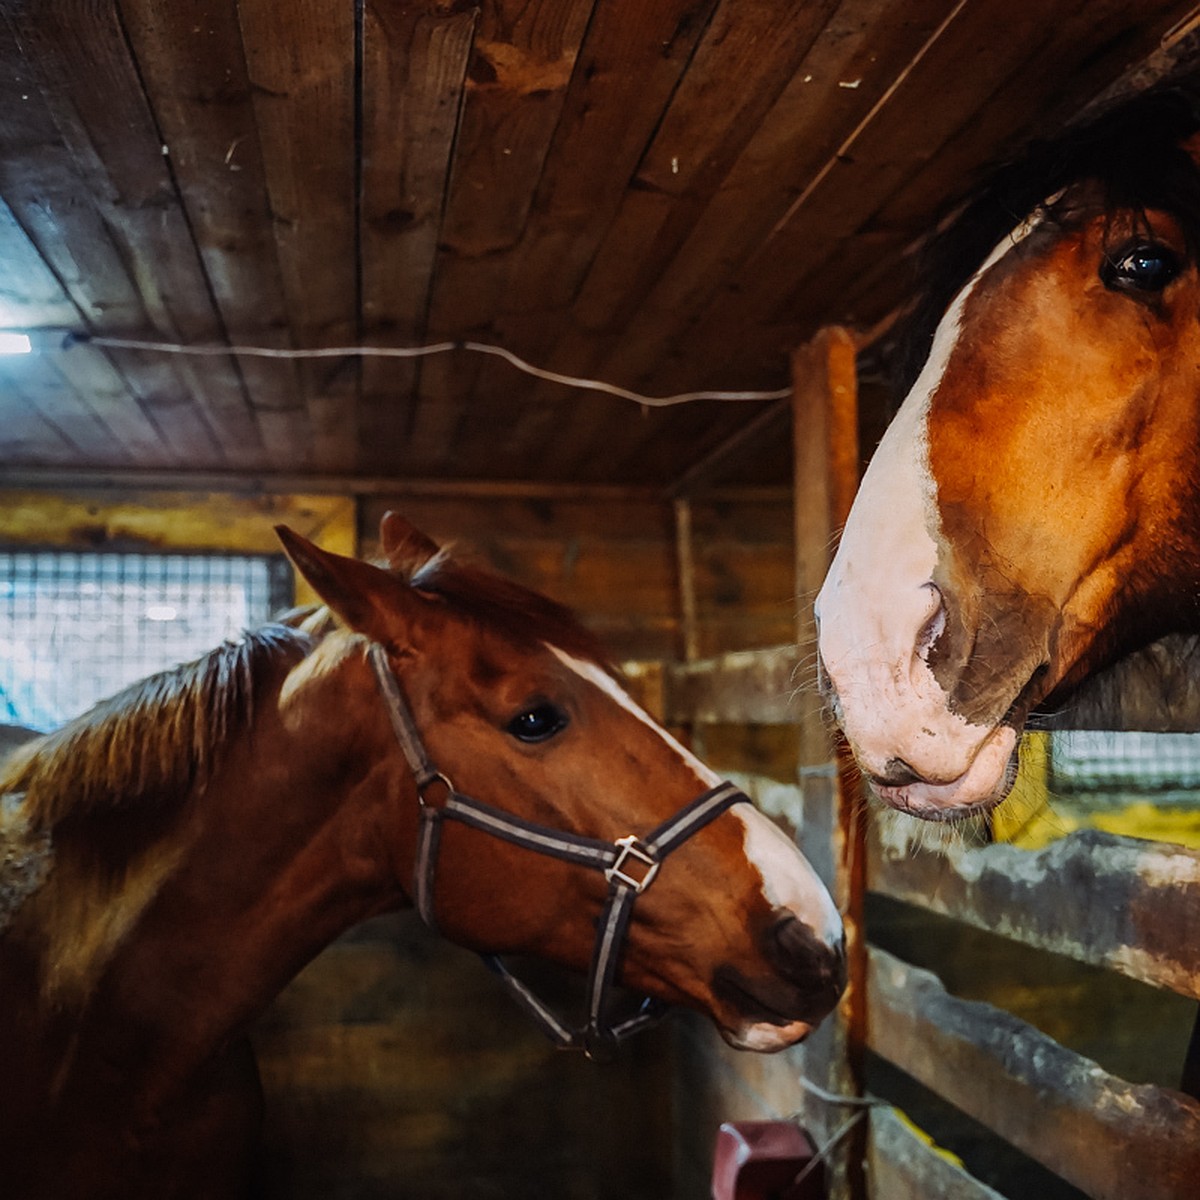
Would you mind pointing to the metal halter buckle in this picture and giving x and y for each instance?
(631, 848)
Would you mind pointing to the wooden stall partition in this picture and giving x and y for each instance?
(825, 424)
(753, 713)
(1122, 904)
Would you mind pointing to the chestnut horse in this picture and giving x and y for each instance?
(173, 857)
(1033, 511)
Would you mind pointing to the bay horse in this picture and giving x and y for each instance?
(1033, 511)
(173, 857)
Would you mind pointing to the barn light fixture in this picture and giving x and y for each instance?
(12, 342)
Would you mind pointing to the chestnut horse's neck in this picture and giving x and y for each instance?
(153, 955)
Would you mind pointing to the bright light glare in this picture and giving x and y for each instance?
(15, 343)
(161, 612)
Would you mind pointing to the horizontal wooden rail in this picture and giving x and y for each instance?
(1111, 1139)
(748, 687)
(902, 1165)
(1116, 902)
(1156, 689)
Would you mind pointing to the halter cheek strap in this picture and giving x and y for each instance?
(630, 865)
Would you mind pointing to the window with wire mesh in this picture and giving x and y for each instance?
(1101, 762)
(76, 627)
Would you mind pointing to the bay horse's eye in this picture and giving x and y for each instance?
(1140, 267)
(537, 724)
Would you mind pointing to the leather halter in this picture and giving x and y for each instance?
(630, 865)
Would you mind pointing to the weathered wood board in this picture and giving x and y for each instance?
(1114, 1140)
(1128, 905)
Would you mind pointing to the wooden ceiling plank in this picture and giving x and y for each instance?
(27, 437)
(1017, 107)
(703, 129)
(80, 52)
(808, 126)
(603, 141)
(42, 189)
(153, 378)
(994, 42)
(106, 392)
(522, 61)
(598, 146)
(521, 64)
(191, 61)
(33, 381)
(1108, 23)
(851, 65)
(414, 72)
(654, 270)
(30, 296)
(303, 90)
(599, 140)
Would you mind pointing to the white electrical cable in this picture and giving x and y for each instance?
(591, 385)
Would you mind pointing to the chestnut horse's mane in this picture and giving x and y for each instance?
(159, 737)
(156, 738)
(1132, 150)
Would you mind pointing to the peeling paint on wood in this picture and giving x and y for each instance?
(1111, 1139)
(1115, 902)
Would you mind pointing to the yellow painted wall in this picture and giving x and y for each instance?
(175, 521)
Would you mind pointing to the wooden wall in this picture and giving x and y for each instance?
(613, 557)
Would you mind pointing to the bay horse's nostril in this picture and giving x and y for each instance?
(934, 624)
(897, 773)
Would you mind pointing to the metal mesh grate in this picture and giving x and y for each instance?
(1092, 761)
(76, 627)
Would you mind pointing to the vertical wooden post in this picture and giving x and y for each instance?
(825, 422)
(686, 563)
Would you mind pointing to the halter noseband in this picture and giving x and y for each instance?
(630, 865)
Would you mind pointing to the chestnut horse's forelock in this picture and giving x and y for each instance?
(157, 738)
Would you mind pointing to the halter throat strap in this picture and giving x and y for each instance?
(630, 865)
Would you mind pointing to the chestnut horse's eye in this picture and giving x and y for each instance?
(537, 724)
(1140, 267)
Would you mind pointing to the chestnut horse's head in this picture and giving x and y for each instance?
(510, 699)
(1034, 509)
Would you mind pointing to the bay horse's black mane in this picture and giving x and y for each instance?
(1132, 150)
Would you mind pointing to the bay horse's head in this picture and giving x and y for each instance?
(509, 701)
(1033, 511)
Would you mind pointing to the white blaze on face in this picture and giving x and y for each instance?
(878, 610)
(788, 880)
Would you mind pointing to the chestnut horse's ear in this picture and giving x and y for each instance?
(404, 546)
(368, 599)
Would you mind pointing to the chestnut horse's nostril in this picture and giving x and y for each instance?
(810, 976)
(815, 967)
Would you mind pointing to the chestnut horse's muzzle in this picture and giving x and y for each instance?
(630, 865)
